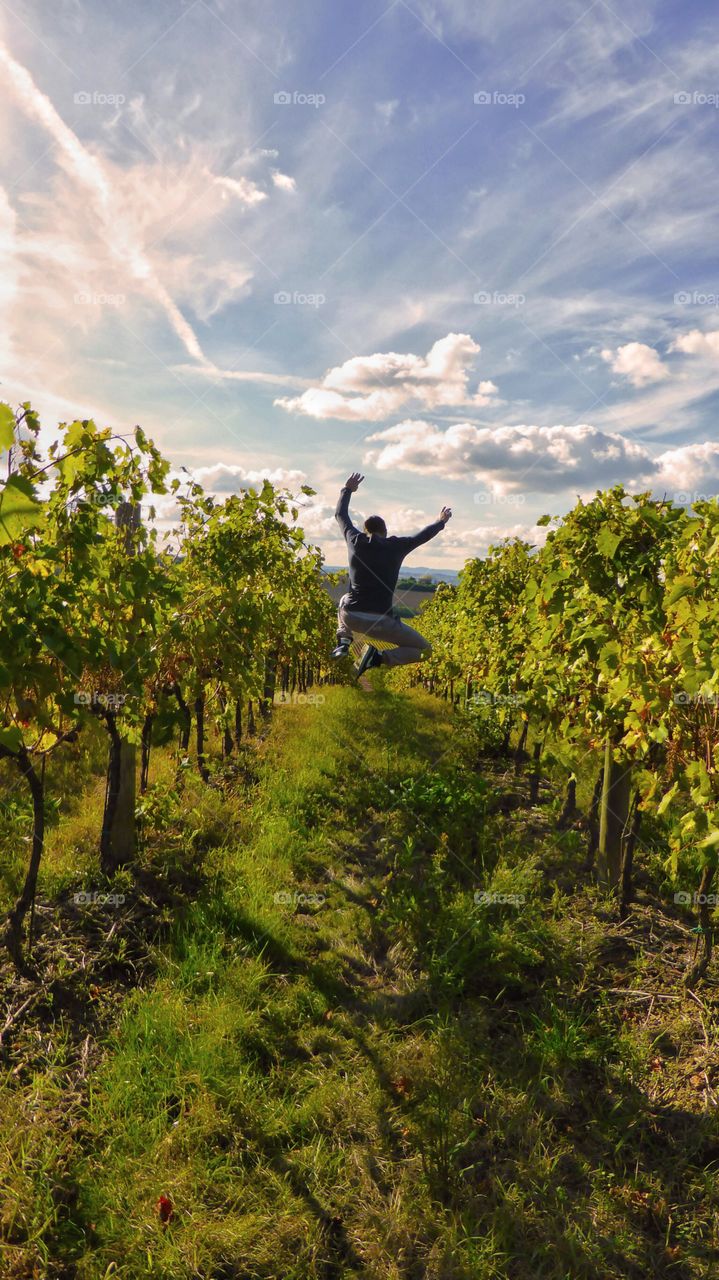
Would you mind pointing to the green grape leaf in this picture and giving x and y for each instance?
(75, 433)
(681, 586)
(607, 542)
(609, 655)
(7, 426)
(19, 509)
(11, 738)
(667, 798)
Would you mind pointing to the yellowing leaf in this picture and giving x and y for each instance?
(19, 509)
(7, 426)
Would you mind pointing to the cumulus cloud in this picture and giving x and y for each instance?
(225, 478)
(508, 459)
(370, 388)
(691, 470)
(283, 181)
(220, 480)
(477, 540)
(637, 362)
(696, 343)
(511, 460)
(317, 519)
(244, 189)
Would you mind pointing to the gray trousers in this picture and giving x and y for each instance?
(411, 646)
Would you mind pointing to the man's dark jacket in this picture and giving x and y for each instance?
(374, 561)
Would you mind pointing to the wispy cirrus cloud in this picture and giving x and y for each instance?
(9, 276)
(90, 175)
(109, 239)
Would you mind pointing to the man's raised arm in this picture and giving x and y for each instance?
(342, 510)
(424, 535)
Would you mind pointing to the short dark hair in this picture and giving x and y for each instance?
(375, 524)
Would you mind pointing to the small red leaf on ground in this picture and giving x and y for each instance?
(165, 1209)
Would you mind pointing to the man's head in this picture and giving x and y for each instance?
(375, 524)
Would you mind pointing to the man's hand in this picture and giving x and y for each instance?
(445, 514)
(354, 482)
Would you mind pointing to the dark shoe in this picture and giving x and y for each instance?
(370, 658)
(342, 650)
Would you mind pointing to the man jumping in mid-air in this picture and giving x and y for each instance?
(367, 608)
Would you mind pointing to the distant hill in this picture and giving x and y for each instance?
(437, 575)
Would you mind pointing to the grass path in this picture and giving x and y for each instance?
(344, 1062)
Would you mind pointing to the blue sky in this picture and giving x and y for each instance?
(467, 249)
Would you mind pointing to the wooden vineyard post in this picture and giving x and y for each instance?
(613, 814)
(268, 693)
(122, 840)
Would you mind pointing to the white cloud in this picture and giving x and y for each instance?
(691, 469)
(477, 540)
(8, 278)
(529, 459)
(317, 519)
(283, 181)
(370, 388)
(88, 174)
(220, 480)
(246, 191)
(386, 110)
(637, 362)
(208, 291)
(512, 458)
(259, 376)
(225, 478)
(696, 343)
(143, 231)
(54, 409)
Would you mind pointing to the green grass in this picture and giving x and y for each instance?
(372, 1045)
